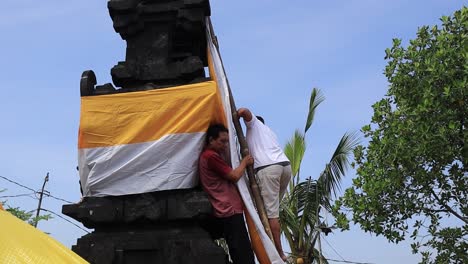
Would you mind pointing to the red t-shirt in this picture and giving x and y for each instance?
(222, 193)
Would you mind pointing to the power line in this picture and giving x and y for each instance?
(63, 218)
(342, 259)
(35, 192)
(57, 198)
(44, 193)
(335, 260)
(334, 249)
(19, 184)
(19, 195)
(346, 261)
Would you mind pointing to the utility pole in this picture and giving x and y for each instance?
(46, 179)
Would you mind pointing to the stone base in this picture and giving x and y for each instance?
(186, 244)
(170, 227)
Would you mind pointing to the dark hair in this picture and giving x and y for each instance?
(214, 131)
(261, 119)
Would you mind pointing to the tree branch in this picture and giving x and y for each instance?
(464, 219)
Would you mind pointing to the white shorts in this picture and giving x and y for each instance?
(273, 182)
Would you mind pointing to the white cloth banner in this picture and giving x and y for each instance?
(165, 164)
(242, 184)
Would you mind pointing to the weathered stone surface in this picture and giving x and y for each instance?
(179, 244)
(137, 209)
(166, 43)
(161, 227)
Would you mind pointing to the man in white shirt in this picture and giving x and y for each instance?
(272, 168)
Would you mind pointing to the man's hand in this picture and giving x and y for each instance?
(237, 173)
(244, 113)
(248, 160)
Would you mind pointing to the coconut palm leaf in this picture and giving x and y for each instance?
(300, 208)
(306, 194)
(308, 202)
(316, 98)
(309, 197)
(289, 220)
(334, 171)
(294, 150)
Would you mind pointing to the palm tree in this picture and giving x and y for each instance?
(300, 210)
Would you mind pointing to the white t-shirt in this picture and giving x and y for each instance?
(263, 144)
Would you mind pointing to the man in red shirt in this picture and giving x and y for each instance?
(218, 180)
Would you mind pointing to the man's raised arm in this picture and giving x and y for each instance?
(245, 114)
(237, 173)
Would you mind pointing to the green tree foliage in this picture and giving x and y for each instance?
(27, 216)
(412, 176)
(300, 211)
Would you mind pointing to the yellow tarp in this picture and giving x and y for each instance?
(22, 243)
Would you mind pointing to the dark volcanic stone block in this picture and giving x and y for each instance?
(181, 245)
(166, 42)
(161, 227)
(155, 207)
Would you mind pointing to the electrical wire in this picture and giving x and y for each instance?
(342, 259)
(36, 192)
(346, 261)
(19, 184)
(57, 198)
(335, 260)
(333, 248)
(20, 195)
(63, 218)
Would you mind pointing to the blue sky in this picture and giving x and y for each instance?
(274, 52)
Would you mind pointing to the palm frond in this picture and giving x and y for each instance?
(288, 217)
(316, 98)
(288, 224)
(300, 208)
(308, 202)
(306, 194)
(309, 196)
(294, 150)
(330, 178)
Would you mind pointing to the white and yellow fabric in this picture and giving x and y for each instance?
(20, 243)
(145, 141)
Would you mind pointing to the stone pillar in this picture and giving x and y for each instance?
(166, 46)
